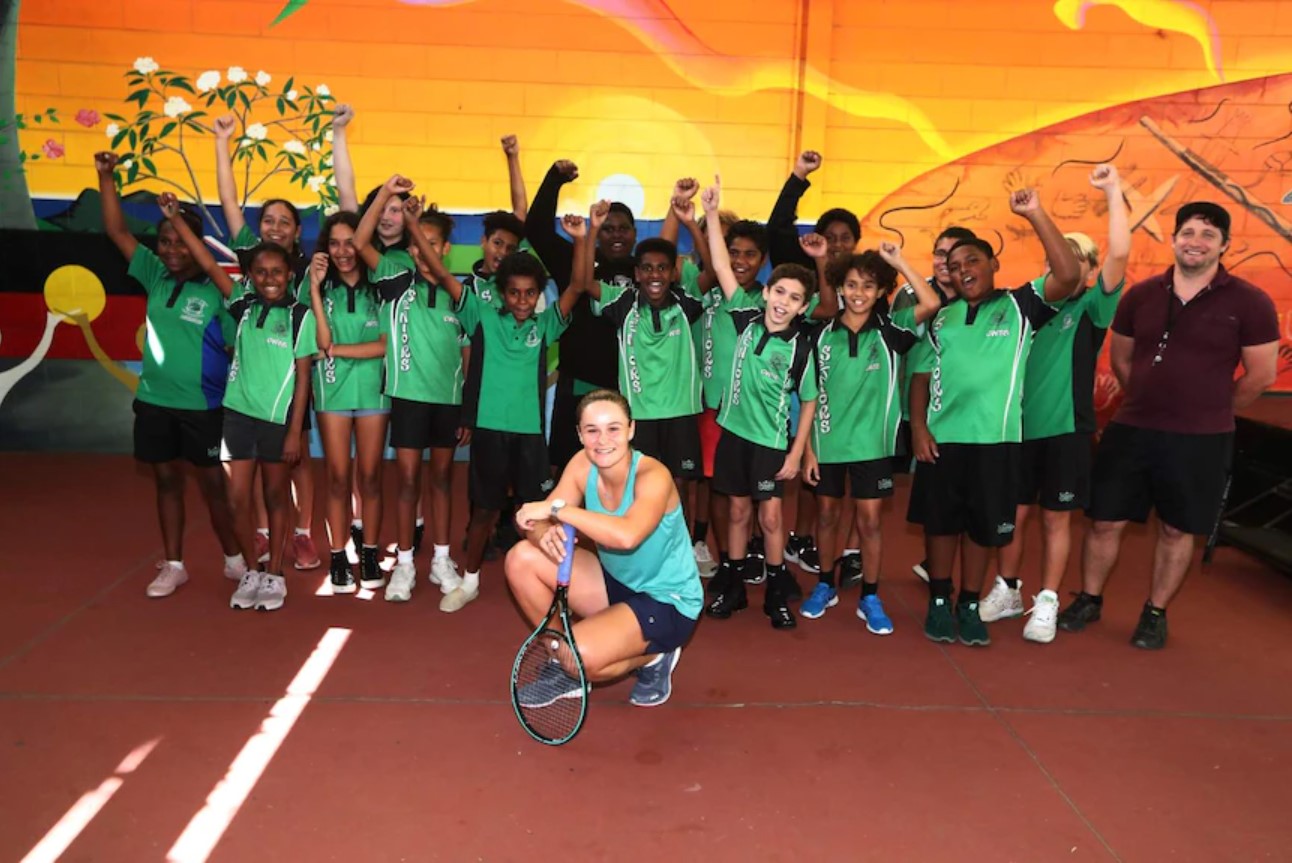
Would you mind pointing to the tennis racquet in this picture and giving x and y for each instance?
(549, 688)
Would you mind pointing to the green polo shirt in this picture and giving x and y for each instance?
(766, 369)
(262, 378)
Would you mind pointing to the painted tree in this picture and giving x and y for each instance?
(15, 199)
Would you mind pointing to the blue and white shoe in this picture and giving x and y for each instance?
(823, 596)
(871, 610)
(551, 686)
(655, 682)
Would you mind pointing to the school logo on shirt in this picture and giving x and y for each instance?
(1067, 321)
(194, 311)
(998, 328)
(532, 340)
(873, 361)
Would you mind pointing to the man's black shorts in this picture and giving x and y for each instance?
(166, 434)
(420, 425)
(502, 461)
(247, 438)
(674, 441)
(1182, 476)
(1056, 472)
(742, 468)
(663, 626)
(867, 480)
(971, 489)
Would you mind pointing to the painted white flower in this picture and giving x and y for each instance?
(291, 95)
(331, 208)
(315, 147)
(322, 90)
(326, 161)
(315, 183)
(294, 146)
(257, 131)
(145, 65)
(208, 81)
(328, 136)
(112, 130)
(236, 74)
(126, 163)
(175, 106)
(262, 78)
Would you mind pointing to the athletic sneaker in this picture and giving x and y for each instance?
(307, 556)
(235, 571)
(352, 547)
(776, 603)
(169, 578)
(245, 595)
(921, 571)
(1001, 602)
(704, 560)
(340, 574)
(458, 597)
(655, 682)
(551, 685)
(370, 575)
(849, 570)
(802, 551)
(939, 625)
(1150, 633)
(1083, 610)
(754, 569)
(871, 610)
(973, 631)
(1042, 617)
(444, 572)
(823, 596)
(272, 592)
(402, 579)
(754, 548)
(262, 547)
(728, 592)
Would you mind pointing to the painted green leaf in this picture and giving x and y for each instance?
(119, 137)
(166, 130)
(148, 163)
(292, 7)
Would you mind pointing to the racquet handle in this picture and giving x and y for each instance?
(563, 571)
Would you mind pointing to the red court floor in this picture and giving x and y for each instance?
(129, 723)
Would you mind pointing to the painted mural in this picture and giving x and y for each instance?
(928, 113)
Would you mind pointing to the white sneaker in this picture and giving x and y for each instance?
(245, 595)
(273, 590)
(235, 571)
(1044, 615)
(704, 560)
(444, 572)
(458, 597)
(170, 577)
(402, 579)
(1002, 602)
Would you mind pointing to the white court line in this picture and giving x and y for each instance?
(207, 827)
(64, 833)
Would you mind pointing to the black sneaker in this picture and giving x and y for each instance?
(753, 570)
(850, 570)
(727, 600)
(805, 553)
(340, 574)
(370, 576)
(776, 603)
(1081, 611)
(356, 543)
(419, 531)
(754, 548)
(1150, 634)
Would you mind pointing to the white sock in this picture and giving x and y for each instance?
(404, 555)
(302, 531)
(441, 551)
(420, 521)
(178, 564)
(471, 582)
(659, 657)
(847, 551)
(356, 522)
(263, 531)
(234, 560)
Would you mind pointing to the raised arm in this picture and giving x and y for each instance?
(1119, 233)
(201, 254)
(926, 296)
(434, 263)
(368, 224)
(1065, 273)
(782, 235)
(114, 221)
(710, 199)
(515, 179)
(815, 247)
(540, 223)
(577, 227)
(683, 189)
(228, 187)
(342, 167)
(322, 329)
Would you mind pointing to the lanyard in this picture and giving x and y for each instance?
(1171, 319)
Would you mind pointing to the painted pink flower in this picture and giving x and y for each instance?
(52, 149)
(88, 117)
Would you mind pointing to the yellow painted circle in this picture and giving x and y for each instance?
(73, 289)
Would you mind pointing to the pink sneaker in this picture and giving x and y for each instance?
(307, 556)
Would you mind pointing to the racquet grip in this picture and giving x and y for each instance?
(563, 570)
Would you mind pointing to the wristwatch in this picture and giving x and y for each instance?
(557, 506)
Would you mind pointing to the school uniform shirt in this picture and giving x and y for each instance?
(423, 334)
(483, 285)
(270, 338)
(511, 357)
(1059, 387)
(766, 369)
(188, 333)
(658, 370)
(980, 355)
(345, 383)
(858, 407)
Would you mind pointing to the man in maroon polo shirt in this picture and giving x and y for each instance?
(1176, 342)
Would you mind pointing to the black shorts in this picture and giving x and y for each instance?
(250, 438)
(503, 461)
(662, 625)
(971, 489)
(742, 468)
(674, 441)
(1182, 476)
(563, 427)
(167, 434)
(419, 425)
(869, 480)
(903, 457)
(1055, 472)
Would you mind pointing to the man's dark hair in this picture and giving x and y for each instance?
(957, 233)
(655, 244)
(976, 243)
(501, 220)
(520, 265)
(620, 207)
(839, 214)
(869, 263)
(750, 230)
(433, 215)
(798, 273)
(1213, 214)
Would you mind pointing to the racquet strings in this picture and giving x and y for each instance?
(550, 693)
